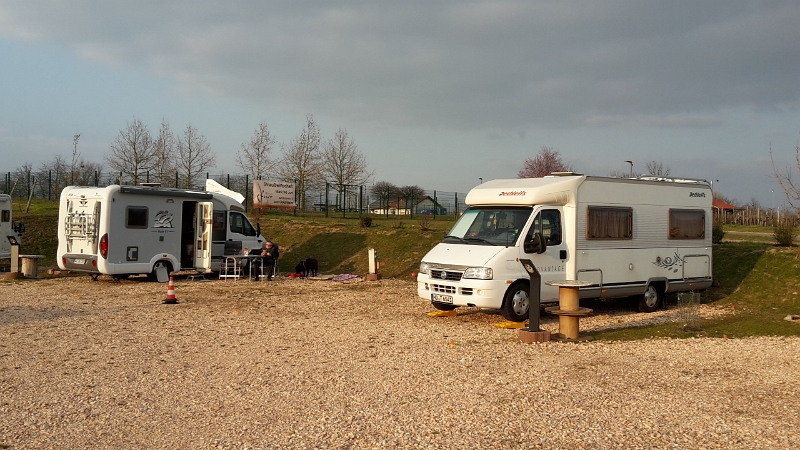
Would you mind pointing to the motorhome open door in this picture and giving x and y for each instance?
(202, 231)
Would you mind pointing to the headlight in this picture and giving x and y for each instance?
(480, 273)
(424, 268)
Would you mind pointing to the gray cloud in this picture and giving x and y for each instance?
(499, 65)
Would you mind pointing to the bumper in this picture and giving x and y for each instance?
(79, 263)
(465, 292)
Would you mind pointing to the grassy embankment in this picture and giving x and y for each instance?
(759, 282)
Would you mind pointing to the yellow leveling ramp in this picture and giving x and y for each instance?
(452, 313)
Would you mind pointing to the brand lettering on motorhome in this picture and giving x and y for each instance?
(512, 193)
(697, 194)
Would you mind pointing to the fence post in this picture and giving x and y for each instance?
(456, 209)
(176, 179)
(435, 205)
(246, 190)
(360, 200)
(327, 206)
(229, 181)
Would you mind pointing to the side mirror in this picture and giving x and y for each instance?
(18, 228)
(538, 244)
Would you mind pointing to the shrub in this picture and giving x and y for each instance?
(785, 233)
(424, 222)
(717, 233)
(365, 221)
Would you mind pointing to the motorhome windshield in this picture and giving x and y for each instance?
(489, 226)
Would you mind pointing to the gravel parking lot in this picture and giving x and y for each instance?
(355, 364)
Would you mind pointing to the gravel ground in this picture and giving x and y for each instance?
(324, 364)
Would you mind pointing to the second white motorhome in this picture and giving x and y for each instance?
(8, 229)
(125, 230)
(629, 237)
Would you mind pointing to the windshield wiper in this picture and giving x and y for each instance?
(477, 239)
(454, 237)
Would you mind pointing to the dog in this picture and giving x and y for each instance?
(307, 267)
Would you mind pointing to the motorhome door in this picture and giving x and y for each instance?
(202, 230)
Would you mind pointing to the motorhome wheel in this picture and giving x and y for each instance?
(516, 302)
(443, 306)
(651, 299)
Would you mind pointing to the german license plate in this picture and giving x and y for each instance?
(79, 261)
(441, 298)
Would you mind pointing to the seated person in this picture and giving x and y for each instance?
(269, 254)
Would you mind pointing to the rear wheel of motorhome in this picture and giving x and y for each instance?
(443, 306)
(516, 302)
(651, 299)
(153, 276)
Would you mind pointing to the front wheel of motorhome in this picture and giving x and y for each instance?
(443, 306)
(651, 299)
(516, 302)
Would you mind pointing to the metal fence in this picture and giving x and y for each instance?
(324, 199)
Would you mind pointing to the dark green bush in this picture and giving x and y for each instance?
(365, 221)
(717, 233)
(785, 233)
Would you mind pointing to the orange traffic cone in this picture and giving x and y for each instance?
(171, 299)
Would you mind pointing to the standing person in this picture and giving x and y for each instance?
(269, 254)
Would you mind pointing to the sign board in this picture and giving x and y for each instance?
(273, 194)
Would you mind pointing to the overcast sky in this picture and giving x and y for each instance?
(437, 94)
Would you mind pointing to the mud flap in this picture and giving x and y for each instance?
(161, 274)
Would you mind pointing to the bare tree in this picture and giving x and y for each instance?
(790, 188)
(75, 155)
(545, 163)
(254, 157)
(343, 164)
(132, 152)
(301, 160)
(57, 173)
(657, 169)
(194, 156)
(385, 192)
(164, 154)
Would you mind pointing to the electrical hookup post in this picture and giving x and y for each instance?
(374, 266)
(531, 332)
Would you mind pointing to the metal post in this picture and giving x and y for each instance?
(532, 332)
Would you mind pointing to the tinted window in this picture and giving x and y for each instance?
(218, 232)
(6, 215)
(687, 224)
(240, 224)
(136, 217)
(603, 222)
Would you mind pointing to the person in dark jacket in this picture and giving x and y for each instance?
(269, 255)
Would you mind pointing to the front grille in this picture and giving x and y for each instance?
(443, 288)
(437, 274)
(466, 291)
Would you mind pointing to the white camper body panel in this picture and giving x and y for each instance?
(6, 226)
(616, 266)
(124, 230)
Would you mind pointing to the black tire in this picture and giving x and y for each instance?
(652, 298)
(516, 302)
(152, 275)
(443, 306)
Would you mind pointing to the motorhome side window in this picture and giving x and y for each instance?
(607, 222)
(218, 229)
(548, 223)
(687, 224)
(6, 215)
(240, 224)
(136, 217)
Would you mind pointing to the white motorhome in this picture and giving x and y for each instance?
(629, 237)
(126, 230)
(8, 229)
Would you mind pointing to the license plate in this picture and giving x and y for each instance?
(441, 298)
(79, 261)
